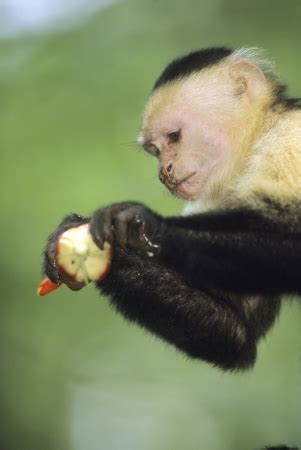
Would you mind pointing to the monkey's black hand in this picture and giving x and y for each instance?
(49, 266)
(129, 225)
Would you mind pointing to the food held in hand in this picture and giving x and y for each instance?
(79, 259)
(46, 286)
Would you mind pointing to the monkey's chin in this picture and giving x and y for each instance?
(187, 188)
(183, 192)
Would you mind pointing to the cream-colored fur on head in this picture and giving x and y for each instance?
(255, 56)
(274, 168)
(241, 146)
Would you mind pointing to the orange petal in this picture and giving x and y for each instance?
(46, 286)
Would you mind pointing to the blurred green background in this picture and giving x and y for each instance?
(74, 374)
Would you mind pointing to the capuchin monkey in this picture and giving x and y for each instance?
(228, 142)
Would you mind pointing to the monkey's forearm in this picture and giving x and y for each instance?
(273, 219)
(200, 324)
(247, 256)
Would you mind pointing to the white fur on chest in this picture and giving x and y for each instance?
(197, 207)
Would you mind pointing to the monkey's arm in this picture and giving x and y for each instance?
(239, 250)
(203, 324)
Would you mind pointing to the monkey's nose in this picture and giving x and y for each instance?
(166, 172)
(169, 167)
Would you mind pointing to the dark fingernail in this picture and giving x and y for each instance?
(123, 244)
(99, 242)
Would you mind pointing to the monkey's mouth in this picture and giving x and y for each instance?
(178, 188)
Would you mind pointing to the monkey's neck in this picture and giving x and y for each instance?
(259, 125)
(272, 168)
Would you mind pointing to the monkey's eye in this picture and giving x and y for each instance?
(174, 136)
(152, 149)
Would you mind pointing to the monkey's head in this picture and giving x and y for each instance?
(201, 118)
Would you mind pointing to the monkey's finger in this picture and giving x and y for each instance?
(71, 283)
(101, 228)
(49, 266)
(147, 242)
(120, 227)
(130, 231)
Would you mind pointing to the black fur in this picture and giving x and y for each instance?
(239, 251)
(212, 284)
(193, 62)
(281, 447)
(283, 99)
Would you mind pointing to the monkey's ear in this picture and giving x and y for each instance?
(248, 77)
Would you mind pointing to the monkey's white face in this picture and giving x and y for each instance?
(192, 130)
(198, 126)
(191, 151)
